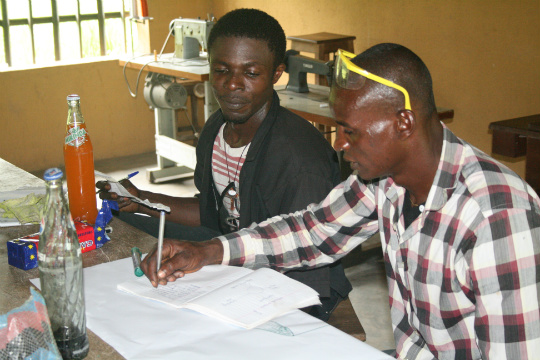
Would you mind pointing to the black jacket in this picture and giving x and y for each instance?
(288, 166)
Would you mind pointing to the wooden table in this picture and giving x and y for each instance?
(166, 67)
(322, 44)
(15, 284)
(170, 149)
(518, 137)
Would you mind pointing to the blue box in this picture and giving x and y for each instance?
(23, 253)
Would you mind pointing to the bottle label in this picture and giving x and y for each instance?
(76, 137)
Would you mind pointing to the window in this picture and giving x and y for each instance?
(40, 31)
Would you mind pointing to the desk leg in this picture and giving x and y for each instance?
(210, 102)
(165, 120)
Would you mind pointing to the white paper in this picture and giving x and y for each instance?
(122, 191)
(142, 329)
(240, 296)
(188, 288)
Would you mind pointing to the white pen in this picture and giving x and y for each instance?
(160, 238)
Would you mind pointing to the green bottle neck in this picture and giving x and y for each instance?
(74, 113)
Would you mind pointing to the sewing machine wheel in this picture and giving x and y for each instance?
(164, 93)
(176, 96)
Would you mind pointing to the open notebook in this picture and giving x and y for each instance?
(240, 296)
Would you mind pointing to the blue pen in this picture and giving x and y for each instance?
(129, 176)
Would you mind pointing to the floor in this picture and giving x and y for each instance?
(363, 267)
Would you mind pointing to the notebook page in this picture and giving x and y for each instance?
(187, 288)
(256, 298)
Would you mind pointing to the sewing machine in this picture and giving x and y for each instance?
(189, 34)
(299, 66)
(164, 94)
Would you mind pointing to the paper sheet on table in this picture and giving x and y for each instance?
(122, 191)
(142, 329)
(236, 295)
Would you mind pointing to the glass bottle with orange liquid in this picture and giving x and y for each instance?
(79, 162)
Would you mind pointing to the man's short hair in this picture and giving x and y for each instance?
(251, 24)
(403, 67)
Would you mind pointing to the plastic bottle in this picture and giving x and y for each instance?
(79, 162)
(60, 271)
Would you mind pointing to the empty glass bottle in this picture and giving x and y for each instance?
(60, 271)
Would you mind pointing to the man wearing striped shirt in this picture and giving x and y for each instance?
(460, 232)
(255, 159)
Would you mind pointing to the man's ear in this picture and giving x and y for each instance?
(278, 72)
(405, 123)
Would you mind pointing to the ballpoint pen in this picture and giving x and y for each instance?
(129, 176)
(160, 238)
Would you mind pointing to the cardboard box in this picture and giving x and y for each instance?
(85, 234)
(22, 252)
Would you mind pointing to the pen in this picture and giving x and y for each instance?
(129, 176)
(160, 238)
(136, 257)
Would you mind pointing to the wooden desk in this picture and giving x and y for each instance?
(15, 284)
(518, 137)
(322, 45)
(175, 158)
(167, 67)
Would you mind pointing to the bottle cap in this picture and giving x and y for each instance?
(53, 174)
(73, 97)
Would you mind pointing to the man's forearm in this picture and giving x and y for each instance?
(184, 211)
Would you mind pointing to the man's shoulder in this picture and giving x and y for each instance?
(493, 185)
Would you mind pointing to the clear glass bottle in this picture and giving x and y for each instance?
(60, 271)
(79, 162)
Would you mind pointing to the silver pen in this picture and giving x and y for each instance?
(160, 238)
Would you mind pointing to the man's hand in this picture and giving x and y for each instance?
(124, 204)
(179, 258)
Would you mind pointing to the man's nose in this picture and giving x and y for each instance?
(235, 81)
(340, 143)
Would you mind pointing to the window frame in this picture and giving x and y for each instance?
(55, 20)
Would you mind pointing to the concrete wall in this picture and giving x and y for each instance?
(33, 107)
(483, 56)
(33, 113)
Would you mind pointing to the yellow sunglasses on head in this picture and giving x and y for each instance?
(350, 76)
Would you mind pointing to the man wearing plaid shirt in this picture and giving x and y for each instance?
(460, 232)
